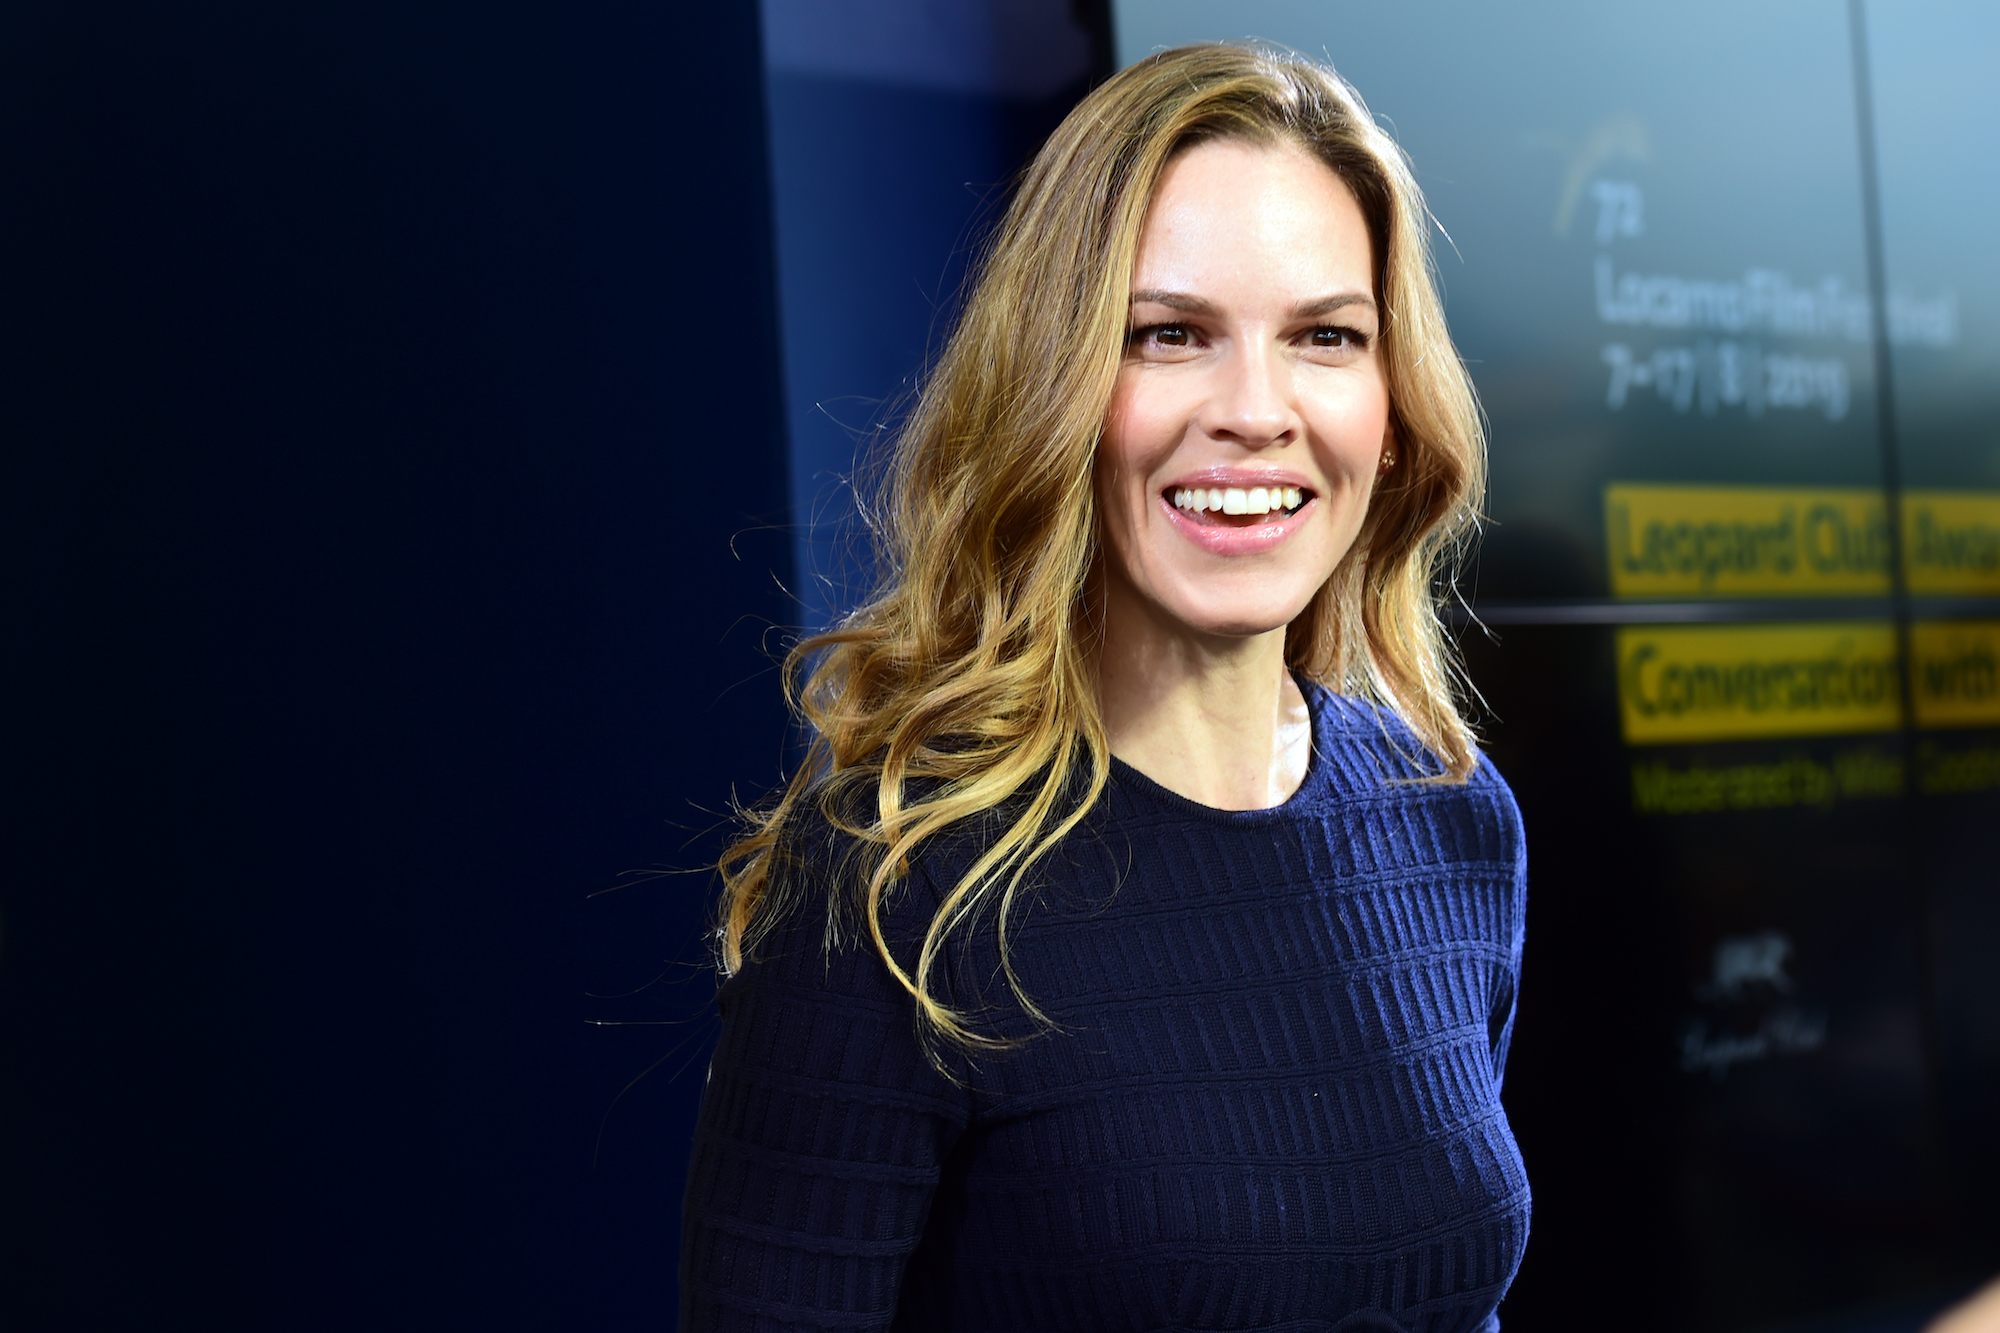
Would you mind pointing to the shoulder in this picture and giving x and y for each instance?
(813, 935)
(1369, 756)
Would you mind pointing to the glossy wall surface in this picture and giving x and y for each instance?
(1759, 1047)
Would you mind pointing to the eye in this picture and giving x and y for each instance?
(1338, 338)
(1163, 335)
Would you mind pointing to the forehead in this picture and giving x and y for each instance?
(1231, 215)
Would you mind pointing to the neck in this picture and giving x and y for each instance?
(1217, 719)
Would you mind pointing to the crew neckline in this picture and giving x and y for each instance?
(1316, 697)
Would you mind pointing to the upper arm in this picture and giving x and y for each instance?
(822, 1132)
(1513, 868)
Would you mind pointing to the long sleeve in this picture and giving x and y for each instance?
(1506, 1001)
(822, 1132)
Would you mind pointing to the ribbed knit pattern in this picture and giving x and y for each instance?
(1273, 1101)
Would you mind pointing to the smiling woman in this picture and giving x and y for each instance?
(1251, 371)
(1137, 947)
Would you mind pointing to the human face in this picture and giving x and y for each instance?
(1252, 364)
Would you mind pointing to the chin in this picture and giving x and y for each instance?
(1236, 618)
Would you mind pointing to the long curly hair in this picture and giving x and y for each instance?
(965, 685)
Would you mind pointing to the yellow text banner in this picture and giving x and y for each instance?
(1769, 541)
(1958, 672)
(1953, 538)
(1679, 683)
(1740, 682)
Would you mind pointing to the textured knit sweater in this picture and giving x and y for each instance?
(1270, 1100)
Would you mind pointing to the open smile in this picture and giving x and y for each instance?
(1238, 506)
(1241, 519)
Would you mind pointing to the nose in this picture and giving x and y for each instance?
(1250, 403)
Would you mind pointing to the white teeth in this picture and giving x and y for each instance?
(1238, 500)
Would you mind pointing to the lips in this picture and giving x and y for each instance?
(1235, 516)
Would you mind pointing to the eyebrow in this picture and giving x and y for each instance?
(1190, 304)
(1326, 305)
(1181, 301)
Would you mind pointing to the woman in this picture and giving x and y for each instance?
(1137, 947)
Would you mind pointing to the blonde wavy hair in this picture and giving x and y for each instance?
(965, 685)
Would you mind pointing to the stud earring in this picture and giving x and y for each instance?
(1388, 459)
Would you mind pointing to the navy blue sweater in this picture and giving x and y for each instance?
(1272, 1100)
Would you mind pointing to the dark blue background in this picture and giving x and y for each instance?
(394, 500)
(884, 194)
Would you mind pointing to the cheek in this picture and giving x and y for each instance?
(1112, 473)
(1141, 429)
(1111, 479)
(1353, 430)
(1135, 445)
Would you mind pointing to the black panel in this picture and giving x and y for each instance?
(1753, 1073)
(394, 489)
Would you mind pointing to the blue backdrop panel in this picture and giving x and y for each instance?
(880, 191)
(896, 128)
